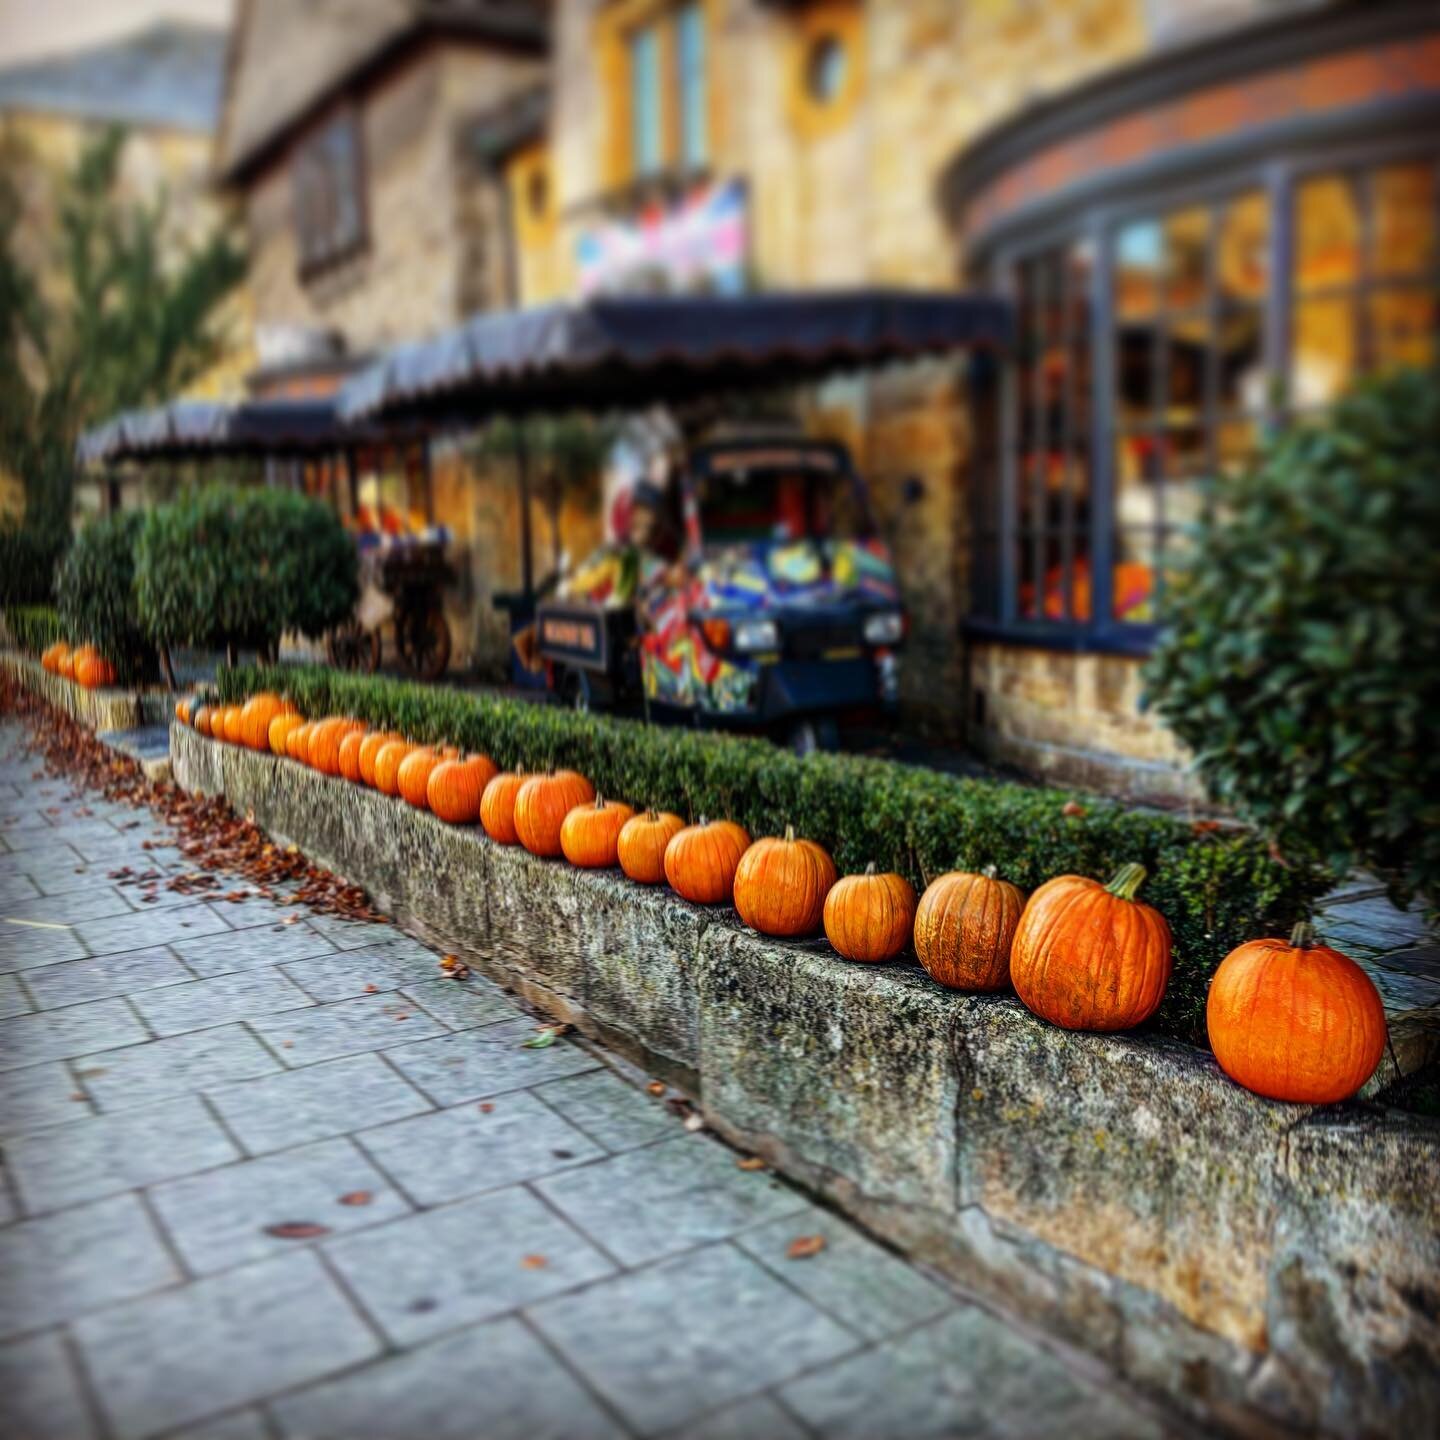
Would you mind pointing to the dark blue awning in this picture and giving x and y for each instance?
(632, 352)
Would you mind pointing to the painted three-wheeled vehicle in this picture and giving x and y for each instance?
(743, 586)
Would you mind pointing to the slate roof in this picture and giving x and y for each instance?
(169, 74)
(288, 58)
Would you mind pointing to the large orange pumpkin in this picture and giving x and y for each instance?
(350, 754)
(1088, 956)
(497, 806)
(701, 860)
(200, 718)
(255, 717)
(50, 660)
(387, 766)
(542, 804)
(92, 670)
(235, 724)
(297, 742)
(370, 747)
(641, 844)
(964, 926)
(590, 834)
(412, 779)
(281, 728)
(869, 916)
(325, 742)
(1293, 1020)
(781, 884)
(455, 786)
(65, 664)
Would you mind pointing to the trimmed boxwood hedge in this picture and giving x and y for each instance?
(1216, 886)
(34, 628)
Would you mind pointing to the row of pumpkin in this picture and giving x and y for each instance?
(1288, 1019)
(84, 664)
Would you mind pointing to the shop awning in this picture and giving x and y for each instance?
(631, 352)
(187, 429)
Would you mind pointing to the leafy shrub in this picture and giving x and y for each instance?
(1216, 887)
(224, 565)
(29, 556)
(34, 628)
(1302, 660)
(96, 594)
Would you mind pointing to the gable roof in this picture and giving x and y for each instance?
(169, 74)
(287, 60)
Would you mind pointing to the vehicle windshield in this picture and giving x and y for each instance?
(778, 505)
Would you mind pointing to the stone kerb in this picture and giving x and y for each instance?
(108, 709)
(1220, 1249)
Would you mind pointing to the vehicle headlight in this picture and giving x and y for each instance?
(886, 627)
(750, 635)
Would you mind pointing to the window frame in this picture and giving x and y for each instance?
(315, 254)
(1277, 176)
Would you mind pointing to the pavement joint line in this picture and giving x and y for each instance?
(563, 1360)
(621, 1268)
(89, 1391)
(371, 1322)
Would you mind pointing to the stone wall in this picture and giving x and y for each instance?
(101, 710)
(1075, 719)
(1259, 1265)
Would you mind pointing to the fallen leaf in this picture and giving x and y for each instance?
(485, 1107)
(297, 1230)
(372, 989)
(543, 1038)
(750, 1162)
(805, 1247)
(694, 1121)
(533, 1262)
(656, 1087)
(356, 1197)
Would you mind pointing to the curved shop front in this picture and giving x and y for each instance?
(1200, 247)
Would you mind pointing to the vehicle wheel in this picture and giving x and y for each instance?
(352, 648)
(814, 733)
(423, 638)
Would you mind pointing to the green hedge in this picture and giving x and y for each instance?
(29, 557)
(34, 628)
(1216, 887)
(96, 598)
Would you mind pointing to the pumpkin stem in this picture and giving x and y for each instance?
(989, 872)
(870, 868)
(789, 834)
(1302, 937)
(702, 821)
(1127, 880)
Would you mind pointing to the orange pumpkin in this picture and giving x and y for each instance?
(590, 834)
(701, 860)
(325, 743)
(781, 885)
(497, 806)
(370, 747)
(65, 664)
(92, 670)
(1088, 956)
(281, 728)
(542, 804)
(964, 926)
(235, 724)
(869, 916)
(455, 786)
(255, 717)
(350, 754)
(201, 719)
(297, 742)
(641, 845)
(413, 777)
(182, 711)
(387, 766)
(1293, 1020)
(50, 659)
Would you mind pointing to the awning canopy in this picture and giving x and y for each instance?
(192, 429)
(632, 352)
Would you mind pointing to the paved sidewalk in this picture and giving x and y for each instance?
(268, 1176)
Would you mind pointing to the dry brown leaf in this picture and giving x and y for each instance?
(805, 1247)
(533, 1262)
(297, 1230)
(750, 1162)
(485, 1107)
(656, 1087)
(356, 1197)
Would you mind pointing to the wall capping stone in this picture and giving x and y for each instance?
(1229, 1255)
(109, 709)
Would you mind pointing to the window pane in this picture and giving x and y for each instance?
(1187, 255)
(1404, 222)
(1135, 358)
(694, 96)
(1327, 234)
(1242, 258)
(1403, 325)
(1139, 252)
(647, 136)
(1240, 340)
(1139, 466)
(1323, 360)
(1187, 357)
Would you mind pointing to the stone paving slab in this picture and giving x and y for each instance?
(13, 1000)
(113, 1153)
(547, 1257)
